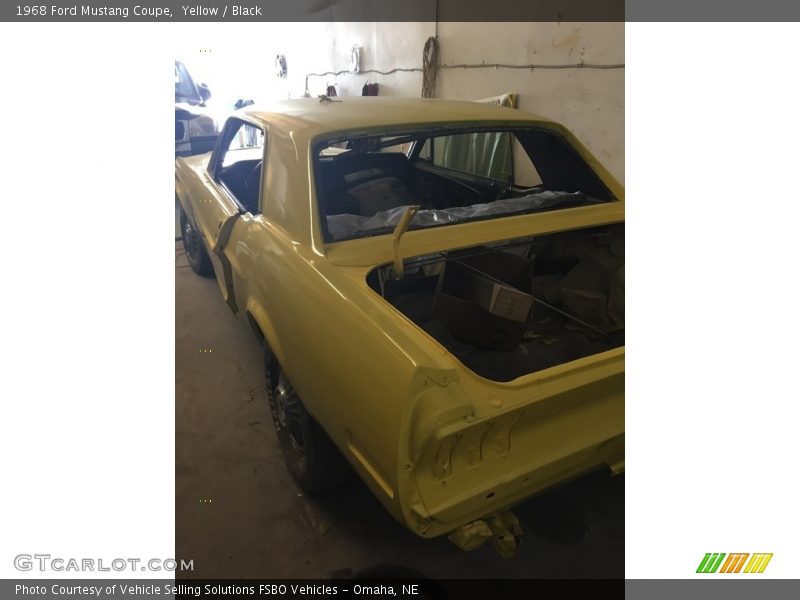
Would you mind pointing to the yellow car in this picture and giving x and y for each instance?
(439, 289)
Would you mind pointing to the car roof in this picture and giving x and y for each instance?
(312, 117)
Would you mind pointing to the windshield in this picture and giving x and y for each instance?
(365, 183)
(185, 89)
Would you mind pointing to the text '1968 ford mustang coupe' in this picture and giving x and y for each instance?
(439, 290)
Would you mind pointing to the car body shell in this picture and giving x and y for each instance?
(437, 444)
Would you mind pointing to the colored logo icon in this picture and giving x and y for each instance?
(717, 562)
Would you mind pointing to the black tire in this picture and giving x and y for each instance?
(196, 254)
(312, 459)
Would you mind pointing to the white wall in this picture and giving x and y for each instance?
(384, 47)
(589, 102)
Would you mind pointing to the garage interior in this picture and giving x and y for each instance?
(238, 512)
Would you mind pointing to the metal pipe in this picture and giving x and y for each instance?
(401, 228)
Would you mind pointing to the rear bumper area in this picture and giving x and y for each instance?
(484, 465)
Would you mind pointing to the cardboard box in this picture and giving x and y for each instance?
(486, 299)
(492, 294)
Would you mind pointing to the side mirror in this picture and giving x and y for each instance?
(205, 93)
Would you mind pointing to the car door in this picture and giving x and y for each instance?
(234, 176)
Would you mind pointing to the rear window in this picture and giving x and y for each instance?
(365, 183)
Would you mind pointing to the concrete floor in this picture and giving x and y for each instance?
(238, 514)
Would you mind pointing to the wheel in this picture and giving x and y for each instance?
(312, 459)
(196, 254)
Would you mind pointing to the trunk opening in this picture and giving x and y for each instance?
(573, 280)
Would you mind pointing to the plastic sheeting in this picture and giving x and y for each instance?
(347, 226)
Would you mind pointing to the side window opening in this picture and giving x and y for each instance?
(525, 174)
(491, 155)
(425, 153)
(240, 167)
(482, 154)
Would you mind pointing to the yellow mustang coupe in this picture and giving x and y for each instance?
(439, 290)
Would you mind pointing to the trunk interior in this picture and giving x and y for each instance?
(568, 303)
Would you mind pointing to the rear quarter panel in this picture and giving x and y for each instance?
(355, 371)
